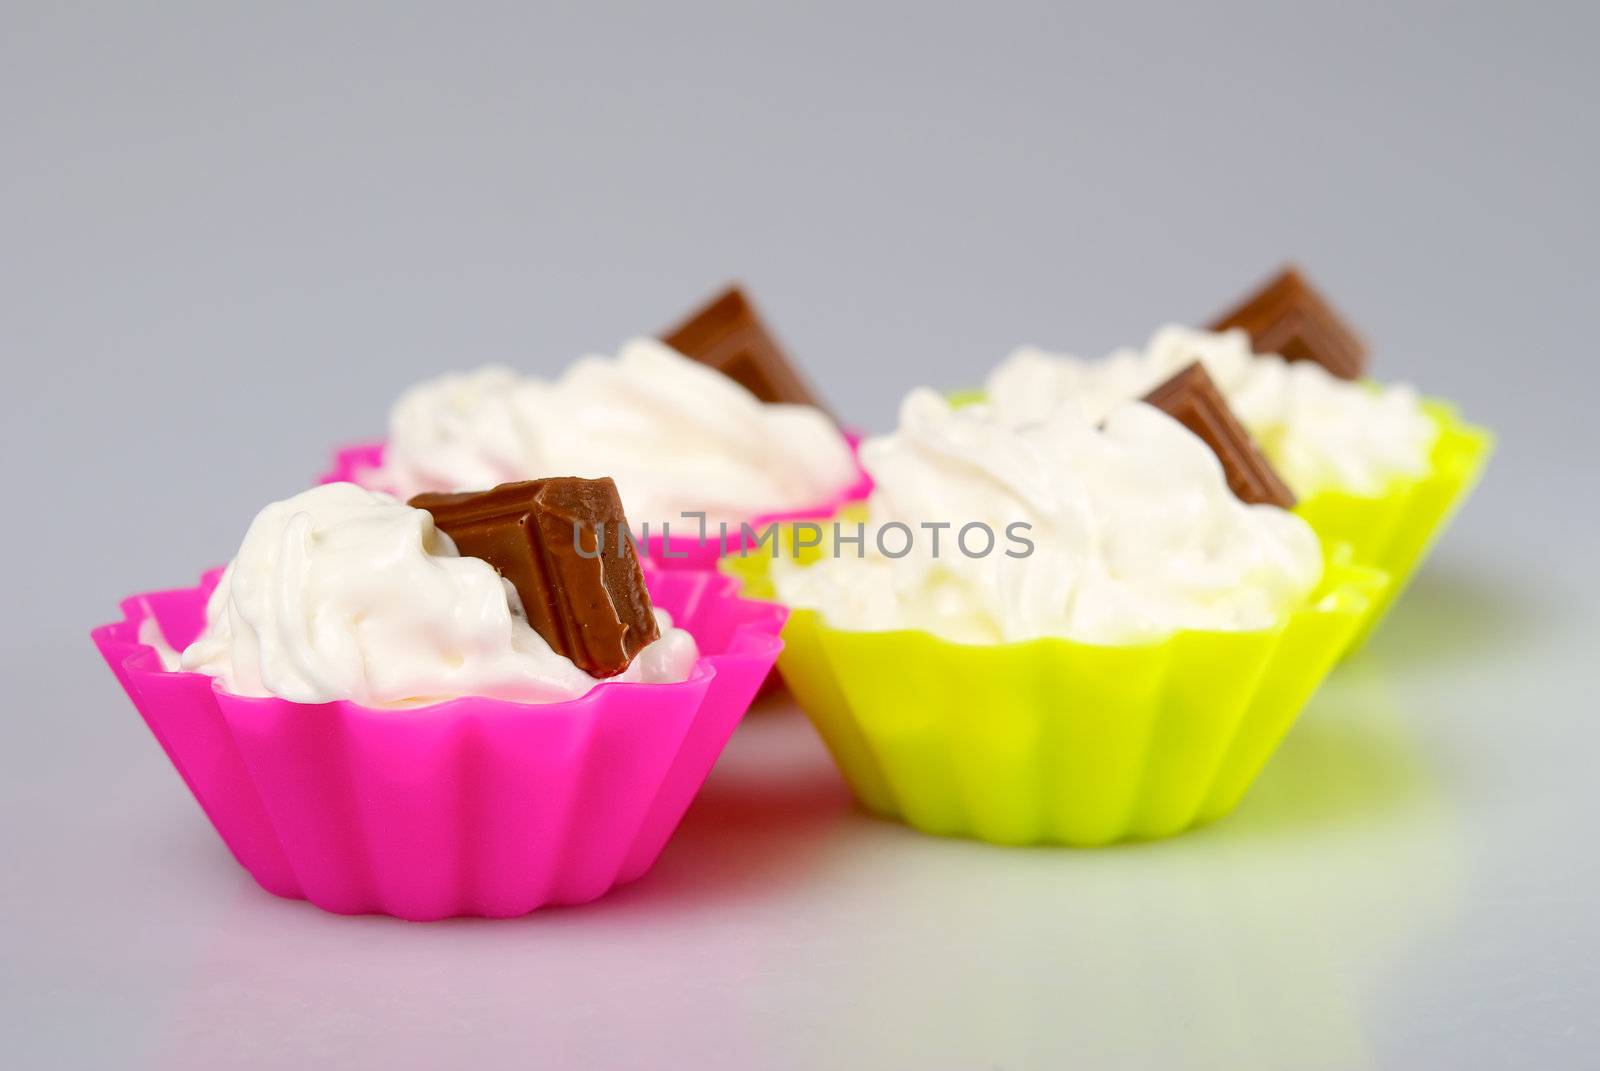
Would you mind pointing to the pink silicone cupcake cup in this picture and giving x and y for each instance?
(357, 464)
(469, 807)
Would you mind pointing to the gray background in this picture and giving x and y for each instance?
(229, 237)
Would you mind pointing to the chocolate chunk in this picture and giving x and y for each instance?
(728, 335)
(1288, 316)
(592, 609)
(1192, 399)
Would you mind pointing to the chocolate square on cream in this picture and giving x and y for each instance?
(564, 545)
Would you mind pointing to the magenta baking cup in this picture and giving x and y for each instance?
(468, 807)
(357, 464)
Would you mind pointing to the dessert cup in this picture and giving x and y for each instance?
(1394, 531)
(360, 463)
(472, 806)
(1052, 741)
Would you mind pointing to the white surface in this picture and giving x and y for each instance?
(212, 216)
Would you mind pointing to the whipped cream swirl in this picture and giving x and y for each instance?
(342, 593)
(675, 435)
(1320, 432)
(1134, 531)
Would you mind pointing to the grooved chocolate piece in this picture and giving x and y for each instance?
(1192, 399)
(727, 334)
(1288, 316)
(592, 609)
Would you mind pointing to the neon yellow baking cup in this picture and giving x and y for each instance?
(1395, 530)
(1392, 531)
(1056, 742)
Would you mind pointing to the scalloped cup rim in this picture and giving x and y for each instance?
(144, 658)
(1346, 587)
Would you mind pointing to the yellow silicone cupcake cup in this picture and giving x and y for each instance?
(1393, 531)
(1053, 741)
